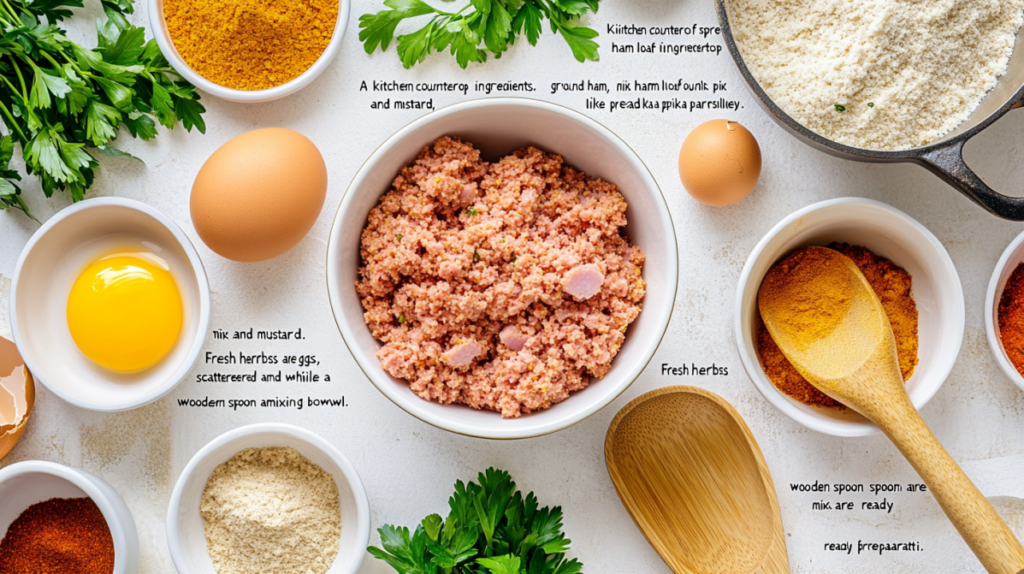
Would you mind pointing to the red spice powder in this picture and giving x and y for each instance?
(58, 536)
(1011, 318)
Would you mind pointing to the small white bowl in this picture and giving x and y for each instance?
(498, 127)
(26, 483)
(1012, 257)
(163, 39)
(889, 233)
(49, 265)
(185, 535)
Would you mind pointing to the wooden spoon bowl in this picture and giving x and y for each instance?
(829, 323)
(691, 475)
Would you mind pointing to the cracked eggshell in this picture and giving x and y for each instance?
(17, 395)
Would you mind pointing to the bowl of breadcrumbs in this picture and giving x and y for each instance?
(268, 498)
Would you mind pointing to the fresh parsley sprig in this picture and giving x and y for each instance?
(63, 102)
(494, 24)
(491, 529)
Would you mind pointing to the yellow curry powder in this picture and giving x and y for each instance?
(250, 44)
(892, 283)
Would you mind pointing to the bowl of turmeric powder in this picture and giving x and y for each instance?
(247, 51)
(907, 267)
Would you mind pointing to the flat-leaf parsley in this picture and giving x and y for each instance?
(493, 23)
(491, 529)
(60, 101)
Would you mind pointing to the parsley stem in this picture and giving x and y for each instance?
(10, 117)
(10, 10)
(52, 61)
(450, 14)
(21, 79)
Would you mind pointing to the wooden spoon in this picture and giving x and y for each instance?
(829, 323)
(695, 482)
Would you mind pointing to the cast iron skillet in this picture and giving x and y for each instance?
(944, 158)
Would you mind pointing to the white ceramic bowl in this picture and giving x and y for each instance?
(163, 39)
(498, 127)
(185, 535)
(26, 483)
(889, 233)
(49, 265)
(1012, 257)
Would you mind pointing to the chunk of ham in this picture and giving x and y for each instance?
(512, 338)
(583, 281)
(461, 356)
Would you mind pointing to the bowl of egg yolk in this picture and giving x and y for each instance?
(110, 304)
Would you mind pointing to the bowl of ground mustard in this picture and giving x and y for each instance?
(247, 51)
(908, 268)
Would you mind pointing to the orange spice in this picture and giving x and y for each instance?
(1011, 318)
(893, 284)
(250, 44)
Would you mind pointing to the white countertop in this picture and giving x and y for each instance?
(409, 467)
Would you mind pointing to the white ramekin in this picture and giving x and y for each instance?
(889, 233)
(1012, 257)
(26, 483)
(497, 127)
(50, 263)
(185, 534)
(163, 39)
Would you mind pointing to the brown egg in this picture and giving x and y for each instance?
(259, 194)
(719, 162)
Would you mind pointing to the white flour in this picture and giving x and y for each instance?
(907, 72)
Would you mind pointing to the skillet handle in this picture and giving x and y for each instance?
(948, 163)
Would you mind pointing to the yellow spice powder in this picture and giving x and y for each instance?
(250, 44)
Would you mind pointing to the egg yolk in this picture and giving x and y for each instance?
(124, 312)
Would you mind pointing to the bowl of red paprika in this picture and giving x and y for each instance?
(1004, 311)
(95, 530)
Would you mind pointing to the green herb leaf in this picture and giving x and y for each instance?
(491, 529)
(163, 106)
(495, 24)
(189, 112)
(871, 104)
(431, 524)
(500, 564)
(379, 29)
(114, 152)
(840, 108)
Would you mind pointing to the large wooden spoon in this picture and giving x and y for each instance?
(829, 323)
(695, 482)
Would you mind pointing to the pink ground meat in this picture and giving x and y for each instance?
(501, 286)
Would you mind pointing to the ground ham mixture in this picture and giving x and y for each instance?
(500, 286)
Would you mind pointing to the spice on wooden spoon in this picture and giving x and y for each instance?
(829, 323)
(691, 475)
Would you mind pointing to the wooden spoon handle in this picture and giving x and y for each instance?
(978, 523)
